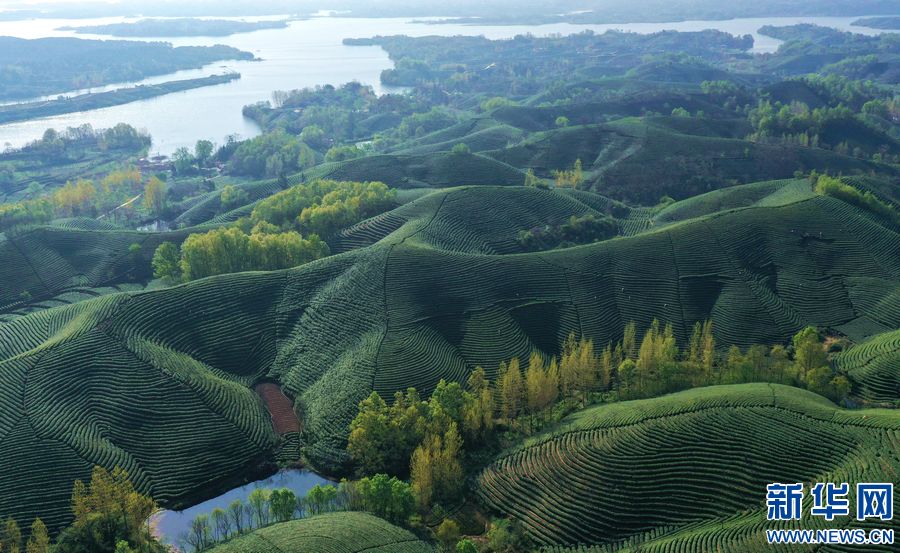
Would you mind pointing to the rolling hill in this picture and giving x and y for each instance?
(163, 378)
(686, 472)
(349, 532)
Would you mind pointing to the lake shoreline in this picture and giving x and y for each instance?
(14, 113)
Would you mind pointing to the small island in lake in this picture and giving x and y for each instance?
(177, 27)
(33, 110)
(886, 22)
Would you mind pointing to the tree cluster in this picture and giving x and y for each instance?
(573, 231)
(382, 495)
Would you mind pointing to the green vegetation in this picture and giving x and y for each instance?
(874, 368)
(80, 153)
(864, 199)
(346, 532)
(484, 348)
(177, 27)
(230, 250)
(636, 450)
(52, 65)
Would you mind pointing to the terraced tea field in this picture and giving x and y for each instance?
(330, 533)
(686, 472)
(160, 382)
(875, 366)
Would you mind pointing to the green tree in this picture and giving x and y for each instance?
(183, 161)
(167, 262)
(282, 504)
(562, 121)
(466, 546)
(447, 534)
(106, 511)
(11, 541)
(218, 520)
(236, 515)
(258, 500)
(461, 149)
(511, 389)
(203, 150)
(39, 540)
(808, 351)
(155, 196)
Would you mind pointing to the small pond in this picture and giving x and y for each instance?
(169, 525)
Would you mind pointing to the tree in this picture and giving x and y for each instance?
(39, 541)
(199, 533)
(231, 197)
(167, 262)
(203, 152)
(259, 506)
(466, 546)
(629, 341)
(562, 121)
(541, 383)
(282, 504)
(236, 515)
(106, 511)
(435, 468)
(808, 351)
(220, 525)
(422, 472)
(511, 389)
(11, 541)
(505, 536)
(533, 181)
(707, 349)
(449, 397)
(461, 149)
(447, 534)
(155, 196)
(478, 416)
(369, 435)
(693, 350)
(183, 161)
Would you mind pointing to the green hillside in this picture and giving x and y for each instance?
(413, 171)
(43, 262)
(428, 301)
(875, 366)
(330, 533)
(680, 469)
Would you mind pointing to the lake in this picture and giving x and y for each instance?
(169, 525)
(306, 53)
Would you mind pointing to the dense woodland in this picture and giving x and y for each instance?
(31, 68)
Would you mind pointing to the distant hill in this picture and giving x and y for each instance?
(54, 65)
(891, 23)
(177, 27)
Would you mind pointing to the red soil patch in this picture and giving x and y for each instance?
(280, 408)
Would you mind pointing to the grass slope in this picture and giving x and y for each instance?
(163, 377)
(668, 465)
(330, 533)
